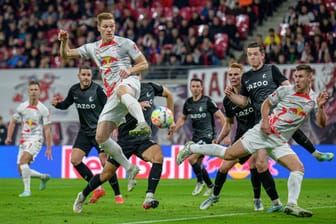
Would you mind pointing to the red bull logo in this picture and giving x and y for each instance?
(108, 61)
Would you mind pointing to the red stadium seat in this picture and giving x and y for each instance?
(242, 23)
(221, 45)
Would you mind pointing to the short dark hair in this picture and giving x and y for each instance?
(254, 45)
(196, 80)
(33, 82)
(84, 67)
(305, 67)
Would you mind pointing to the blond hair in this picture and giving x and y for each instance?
(104, 16)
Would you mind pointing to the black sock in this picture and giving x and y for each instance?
(269, 184)
(255, 181)
(154, 177)
(115, 184)
(93, 184)
(219, 182)
(198, 172)
(302, 140)
(206, 178)
(84, 171)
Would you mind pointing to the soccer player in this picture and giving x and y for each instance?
(114, 56)
(34, 117)
(202, 111)
(244, 117)
(89, 99)
(293, 104)
(257, 83)
(141, 146)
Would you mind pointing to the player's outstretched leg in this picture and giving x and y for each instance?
(184, 152)
(142, 128)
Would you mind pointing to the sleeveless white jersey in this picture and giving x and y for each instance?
(32, 119)
(291, 111)
(110, 58)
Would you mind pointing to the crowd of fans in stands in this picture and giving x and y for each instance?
(170, 32)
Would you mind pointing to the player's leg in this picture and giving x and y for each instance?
(267, 180)
(291, 161)
(219, 182)
(205, 177)
(302, 140)
(128, 93)
(24, 169)
(256, 184)
(97, 180)
(153, 154)
(104, 130)
(197, 169)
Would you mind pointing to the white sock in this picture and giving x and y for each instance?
(209, 149)
(316, 154)
(35, 173)
(294, 187)
(133, 107)
(25, 172)
(113, 149)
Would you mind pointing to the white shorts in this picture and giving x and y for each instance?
(33, 147)
(276, 147)
(114, 110)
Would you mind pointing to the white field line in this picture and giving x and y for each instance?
(205, 217)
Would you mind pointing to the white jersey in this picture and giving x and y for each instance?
(110, 58)
(291, 111)
(32, 119)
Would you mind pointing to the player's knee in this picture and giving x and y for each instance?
(157, 158)
(224, 169)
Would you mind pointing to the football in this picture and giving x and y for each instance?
(162, 117)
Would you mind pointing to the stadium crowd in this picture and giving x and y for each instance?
(170, 32)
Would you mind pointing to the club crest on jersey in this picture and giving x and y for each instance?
(200, 109)
(264, 76)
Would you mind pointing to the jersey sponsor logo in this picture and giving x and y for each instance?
(198, 115)
(245, 112)
(255, 85)
(85, 106)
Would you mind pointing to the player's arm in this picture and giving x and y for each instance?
(10, 131)
(47, 133)
(321, 116)
(65, 104)
(140, 65)
(169, 98)
(225, 129)
(65, 51)
(179, 123)
(265, 109)
(238, 99)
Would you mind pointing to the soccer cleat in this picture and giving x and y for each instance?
(297, 211)
(184, 152)
(258, 206)
(275, 208)
(98, 193)
(132, 172)
(78, 204)
(25, 194)
(119, 199)
(44, 181)
(324, 156)
(209, 202)
(150, 203)
(198, 188)
(142, 128)
(208, 191)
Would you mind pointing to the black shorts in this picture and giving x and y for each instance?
(135, 148)
(85, 143)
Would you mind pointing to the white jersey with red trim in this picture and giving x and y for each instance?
(110, 58)
(291, 111)
(32, 119)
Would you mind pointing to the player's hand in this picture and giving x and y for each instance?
(228, 91)
(322, 99)
(8, 141)
(55, 101)
(48, 154)
(265, 126)
(63, 35)
(144, 105)
(171, 131)
(124, 73)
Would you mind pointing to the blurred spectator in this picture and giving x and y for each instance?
(3, 131)
(290, 15)
(272, 38)
(305, 16)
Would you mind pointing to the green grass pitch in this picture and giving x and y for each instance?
(177, 205)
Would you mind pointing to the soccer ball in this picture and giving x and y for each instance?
(162, 117)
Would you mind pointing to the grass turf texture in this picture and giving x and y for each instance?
(177, 205)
